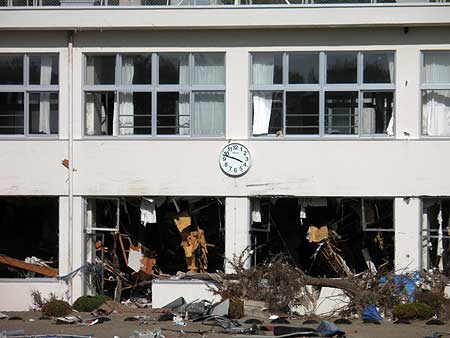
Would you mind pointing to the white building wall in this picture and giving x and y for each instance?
(408, 166)
(237, 231)
(407, 221)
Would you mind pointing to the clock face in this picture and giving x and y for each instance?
(234, 159)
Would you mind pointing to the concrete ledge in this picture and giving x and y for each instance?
(15, 294)
(232, 17)
(166, 291)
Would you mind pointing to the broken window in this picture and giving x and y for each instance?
(29, 241)
(155, 94)
(29, 94)
(133, 239)
(436, 234)
(326, 93)
(331, 237)
(436, 93)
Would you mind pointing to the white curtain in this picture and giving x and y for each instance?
(390, 126)
(126, 99)
(436, 105)
(256, 211)
(209, 107)
(262, 73)
(44, 106)
(436, 112)
(437, 67)
(95, 114)
(148, 211)
(209, 114)
(209, 69)
(368, 118)
(92, 102)
(183, 99)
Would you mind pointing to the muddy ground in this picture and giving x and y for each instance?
(124, 329)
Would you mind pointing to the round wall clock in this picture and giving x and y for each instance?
(234, 159)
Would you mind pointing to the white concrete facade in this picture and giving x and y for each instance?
(405, 167)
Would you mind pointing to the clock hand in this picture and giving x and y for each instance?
(234, 158)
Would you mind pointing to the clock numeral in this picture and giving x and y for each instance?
(226, 164)
(224, 158)
(229, 168)
(244, 164)
(246, 158)
(235, 170)
(235, 147)
(245, 153)
(241, 169)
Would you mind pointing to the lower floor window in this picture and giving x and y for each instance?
(30, 235)
(331, 237)
(436, 234)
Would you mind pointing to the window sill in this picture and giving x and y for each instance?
(29, 138)
(29, 280)
(152, 138)
(324, 138)
(434, 138)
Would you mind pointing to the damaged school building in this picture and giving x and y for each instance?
(141, 139)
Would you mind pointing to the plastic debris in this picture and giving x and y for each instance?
(179, 321)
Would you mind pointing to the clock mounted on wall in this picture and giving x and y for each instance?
(235, 159)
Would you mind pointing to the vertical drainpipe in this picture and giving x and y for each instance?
(70, 154)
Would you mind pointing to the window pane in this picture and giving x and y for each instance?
(209, 69)
(44, 69)
(436, 67)
(209, 114)
(174, 69)
(11, 113)
(267, 69)
(302, 113)
(378, 213)
(379, 67)
(99, 111)
(100, 69)
(341, 113)
(11, 69)
(173, 113)
(135, 113)
(304, 68)
(267, 113)
(43, 113)
(436, 112)
(377, 117)
(136, 69)
(342, 68)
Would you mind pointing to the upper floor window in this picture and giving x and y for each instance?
(155, 94)
(436, 93)
(318, 93)
(29, 93)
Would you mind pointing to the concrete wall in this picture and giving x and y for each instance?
(405, 166)
(331, 166)
(139, 17)
(16, 293)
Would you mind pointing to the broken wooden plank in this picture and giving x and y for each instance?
(16, 263)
